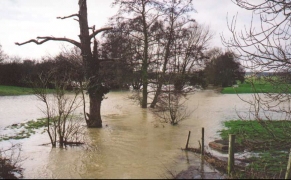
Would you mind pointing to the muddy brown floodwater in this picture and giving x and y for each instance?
(134, 144)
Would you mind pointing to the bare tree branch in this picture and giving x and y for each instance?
(65, 17)
(98, 31)
(48, 38)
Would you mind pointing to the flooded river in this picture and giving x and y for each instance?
(132, 142)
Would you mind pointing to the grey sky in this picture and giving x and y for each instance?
(22, 20)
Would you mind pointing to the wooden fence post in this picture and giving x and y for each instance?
(188, 140)
(202, 143)
(230, 153)
(287, 175)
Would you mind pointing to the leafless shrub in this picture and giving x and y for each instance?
(10, 167)
(171, 107)
(63, 126)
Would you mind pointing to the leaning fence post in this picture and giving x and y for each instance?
(230, 153)
(287, 175)
(188, 140)
(202, 141)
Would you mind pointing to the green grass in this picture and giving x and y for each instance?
(16, 91)
(258, 86)
(259, 130)
(247, 88)
(13, 91)
(270, 151)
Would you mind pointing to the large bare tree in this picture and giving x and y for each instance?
(91, 61)
(175, 18)
(141, 16)
(155, 25)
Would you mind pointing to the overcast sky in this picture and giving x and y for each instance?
(21, 20)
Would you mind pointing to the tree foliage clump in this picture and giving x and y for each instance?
(224, 70)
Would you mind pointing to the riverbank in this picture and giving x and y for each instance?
(14, 91)
(17, 91)
(265, 151)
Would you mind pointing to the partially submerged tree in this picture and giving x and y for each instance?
(171, 106)
(91, 62)
(186, 56)
(168, 32)
(63, 125)
(140, 16)
(164, 39)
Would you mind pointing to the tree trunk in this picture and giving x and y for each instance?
(61, 141)
(144, 86)
(145, 60)
(166, 59)
(95, 113)
(91, 66)
(158, 92)
(96, 89)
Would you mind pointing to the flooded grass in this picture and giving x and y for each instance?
(267, 156)
(247, 130)
(268, 142)
(24, 130)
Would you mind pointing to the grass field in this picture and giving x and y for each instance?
(15, 91)
(258, 130)
(247, 88)
(257, 86)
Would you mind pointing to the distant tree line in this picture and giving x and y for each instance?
(23, 73)
(221, 69)
(16, 73)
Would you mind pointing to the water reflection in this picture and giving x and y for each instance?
(132, 143)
